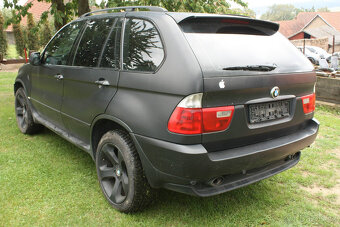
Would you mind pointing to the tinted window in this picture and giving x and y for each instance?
(143, 50)
(218, 51)
(58, 50)
(220, 43)
(111, 55)
(90, 46)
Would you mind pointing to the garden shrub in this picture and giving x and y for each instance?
(3, 38)
(19, 39)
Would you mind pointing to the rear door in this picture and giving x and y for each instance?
(91, 82)
(47, 81)
(243, 62)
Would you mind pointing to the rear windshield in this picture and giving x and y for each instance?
(230, 43)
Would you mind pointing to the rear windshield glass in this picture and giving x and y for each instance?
(221, 45)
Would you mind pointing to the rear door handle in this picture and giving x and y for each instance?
(102, 82)
(59, 77)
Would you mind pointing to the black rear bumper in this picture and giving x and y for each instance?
(190, 168)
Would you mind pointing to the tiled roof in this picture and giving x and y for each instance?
(36, 9)
(291, 27)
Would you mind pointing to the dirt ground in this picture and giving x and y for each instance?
(315, 189)
(10, 67)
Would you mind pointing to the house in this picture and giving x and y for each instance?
(304, 21)
(313, 25)
(36, 9)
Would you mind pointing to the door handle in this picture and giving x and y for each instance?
(102, 82)
(59, 77)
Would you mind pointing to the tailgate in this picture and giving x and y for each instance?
(243, 61)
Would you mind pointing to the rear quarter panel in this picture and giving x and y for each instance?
(145, 101)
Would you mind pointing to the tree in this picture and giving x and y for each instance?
(202, 6)
(245, 11)
(279, 12)
(19, 39)
(83, 7)
(323, 9)
(45, 34)
(3, 38)
(287, 12)
(32, 34)
(64, 11)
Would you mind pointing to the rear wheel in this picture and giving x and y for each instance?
(120, 173)
(23, 114)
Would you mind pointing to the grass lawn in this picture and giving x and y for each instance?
(11, 52)
(46, 181)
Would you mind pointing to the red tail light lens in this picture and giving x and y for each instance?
(308, 103)
(200, 120)
(186, 121)
(217, 118)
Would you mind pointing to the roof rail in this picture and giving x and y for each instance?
(127, 8)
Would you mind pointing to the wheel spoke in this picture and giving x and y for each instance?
(21, 100)
(120, 158)
(116, 195)
(19, 111)
(110, 154)
(26, 115)
(106, 172)
(125, 183)
(23, 122)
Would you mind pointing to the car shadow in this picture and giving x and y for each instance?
(178, 207)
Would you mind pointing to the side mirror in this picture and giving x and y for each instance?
(35, 58)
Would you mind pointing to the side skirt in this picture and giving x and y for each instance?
(77, 142)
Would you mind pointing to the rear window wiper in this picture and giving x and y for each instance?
(264, 68)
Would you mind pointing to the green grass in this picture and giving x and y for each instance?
(11, 52)
(46, 181)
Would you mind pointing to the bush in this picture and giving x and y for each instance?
(45, 34)
(3, 38)
(32, 34)
(19, 39)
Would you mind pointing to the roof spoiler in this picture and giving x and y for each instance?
(231, 20)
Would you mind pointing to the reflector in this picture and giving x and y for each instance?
(308, 103)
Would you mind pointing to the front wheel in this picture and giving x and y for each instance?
(120, 173)
(23, 114)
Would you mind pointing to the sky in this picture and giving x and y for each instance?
(260, 6)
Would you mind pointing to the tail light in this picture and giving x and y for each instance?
(190, 118)
(308, 103)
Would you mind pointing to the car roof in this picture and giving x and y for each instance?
(177, 16)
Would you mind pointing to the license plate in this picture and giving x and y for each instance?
(268, 111)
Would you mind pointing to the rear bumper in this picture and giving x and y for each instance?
(189, 168)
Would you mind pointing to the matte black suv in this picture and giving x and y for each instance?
(196, 103)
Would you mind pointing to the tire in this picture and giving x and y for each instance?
(120, 173)
(23, 114)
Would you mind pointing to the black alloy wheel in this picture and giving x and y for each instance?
(120, 173)
(112, 173)
(21, 111)
(23, 114)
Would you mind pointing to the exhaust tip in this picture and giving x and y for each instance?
(216, 181)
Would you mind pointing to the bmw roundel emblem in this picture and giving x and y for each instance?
(275, 92)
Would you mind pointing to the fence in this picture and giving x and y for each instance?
(322, 43)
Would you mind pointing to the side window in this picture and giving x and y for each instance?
(111, 54)
(143, 49)
(58, 50)
(91, 43)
